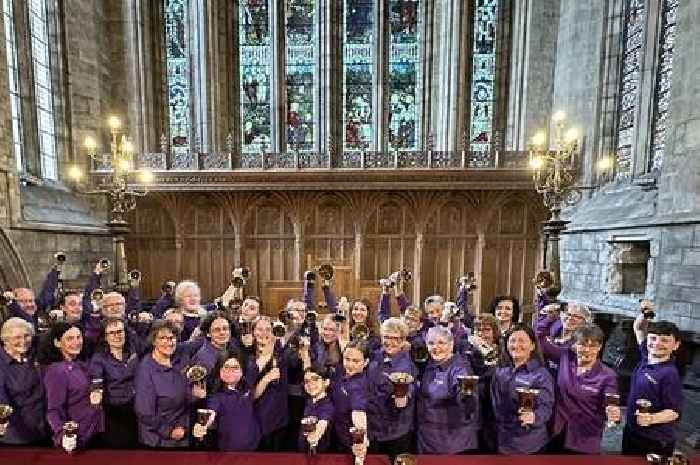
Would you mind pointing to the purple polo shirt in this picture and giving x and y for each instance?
(580, 406)
(117, 375)
(447, 422)
(21, 388)
(512, 437)
(190, 323)
(67, 386)
(236, 423)
(661, 384)
(386, 421)
(163, 395)
(552, 347)
(323, 410)
(272, 407)
(207, 354)
(348, 394)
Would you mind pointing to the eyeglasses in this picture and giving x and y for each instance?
(116, 332)
(167, 338)
(392, 338)
(231, 368)
(312, 379)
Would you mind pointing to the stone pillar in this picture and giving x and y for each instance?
(298, 248)
(478, 268)
(357, 258)
(418, 264)
(535, 28)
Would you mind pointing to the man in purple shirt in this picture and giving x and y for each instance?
(25, 305)
(20, 386)
(582, 384)
(656, 394)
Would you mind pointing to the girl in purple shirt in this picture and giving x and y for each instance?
(234, 418)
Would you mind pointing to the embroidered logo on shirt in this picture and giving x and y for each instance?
(592, 389)
(651, 380)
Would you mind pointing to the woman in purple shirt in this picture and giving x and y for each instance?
(68, 393)
(582, 383)
(447, 419)
(20, 386)
(115, 363)
(163, 393)
(235, 421)
(267, 372)
(522, 430)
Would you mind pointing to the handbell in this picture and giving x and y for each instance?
(105, 264)
(326, 272)
(279, 329)
(5, 413)
(135, 275)
(196, 373)
(468, 281)
(359, 332)
(97, 295)
(544, 279)
(60, 257)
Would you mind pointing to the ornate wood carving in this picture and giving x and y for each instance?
(364, 234)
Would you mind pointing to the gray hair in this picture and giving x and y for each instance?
(582, 309)
(15, 323)
(439, 331)
(395, 325)
(182, 287)
(433, 299)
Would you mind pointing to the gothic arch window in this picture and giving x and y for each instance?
(255, 57)
(358, 73)
(633, 52)
(404, 72)
(483, 85)
(43, 88)
(662, 92)
(302, 73)
(178, 74)
(13, 80)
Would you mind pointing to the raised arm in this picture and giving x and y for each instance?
(47, 294)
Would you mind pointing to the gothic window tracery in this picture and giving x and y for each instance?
(358, 73)
(483, 87)
(301, 73)
(404, 69)
(664, 74)
(13, 80)
(634, 37)
(43, 88)
(178, 74)
(255, 74)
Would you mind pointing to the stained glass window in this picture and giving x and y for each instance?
(13, 78)
(358, 66)
(404, 66)
(483, 86)
(662, 94)
(255, 69)
(635, 23)
(301, 73)
(178, 74)
(43, 88)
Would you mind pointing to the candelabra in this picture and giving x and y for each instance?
(554, 178)
(115, 186)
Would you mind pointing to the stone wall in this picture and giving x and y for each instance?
(666, 214)
(40, 218)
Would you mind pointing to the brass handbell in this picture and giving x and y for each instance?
(359, 332)
(325, 271)
(468, 281)
(544, 279)
(196, 373)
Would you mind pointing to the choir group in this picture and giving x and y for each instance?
(87, 369)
